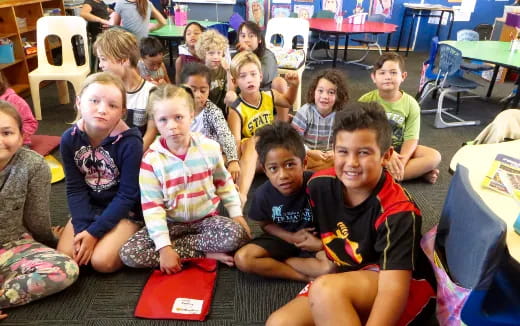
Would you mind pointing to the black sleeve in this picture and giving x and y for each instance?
(260, 207)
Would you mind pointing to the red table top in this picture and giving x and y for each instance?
(328, 25)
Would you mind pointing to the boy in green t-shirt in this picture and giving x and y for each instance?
(409, 160)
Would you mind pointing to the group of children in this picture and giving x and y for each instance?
(149, 163)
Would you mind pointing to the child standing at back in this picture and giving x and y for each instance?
(29, 269)
(252, 110)
(118, 54)
(101, 156)
(409, 159)
(151, 65)
(211, 48)
(327, 94)
(209, 119)
(370, 228)
(187, 52)
(288, 248)
(183, 179)
(30, 124)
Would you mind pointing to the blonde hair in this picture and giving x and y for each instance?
(169, 91)
(241, 59)
(210, 40)
(118, 44)
(103, 78)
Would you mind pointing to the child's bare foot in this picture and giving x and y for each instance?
(432, 176)
(221, 257)
(57, 231)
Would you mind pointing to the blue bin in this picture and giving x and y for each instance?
(6, 53)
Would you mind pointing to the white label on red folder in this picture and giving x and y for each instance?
(187, 306)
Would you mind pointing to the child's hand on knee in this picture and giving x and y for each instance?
(169, 260)
(234, 169)
(84, 244)
(396, 167)
(240, 220)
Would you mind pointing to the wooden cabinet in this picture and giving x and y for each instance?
(18, 23)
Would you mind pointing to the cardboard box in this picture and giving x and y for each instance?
(6, 53)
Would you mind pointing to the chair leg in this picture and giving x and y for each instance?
(439, 121)
(35, 95)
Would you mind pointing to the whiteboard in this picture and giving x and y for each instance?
(223, 2)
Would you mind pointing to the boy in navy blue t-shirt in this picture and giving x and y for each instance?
(289, 247)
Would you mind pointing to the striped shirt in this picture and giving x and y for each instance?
(315, 129)
(184, 190)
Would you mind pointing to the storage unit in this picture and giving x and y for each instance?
(18, 22)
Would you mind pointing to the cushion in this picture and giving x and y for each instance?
(292, 59)
(43, 144)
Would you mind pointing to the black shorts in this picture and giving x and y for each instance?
(280, 249)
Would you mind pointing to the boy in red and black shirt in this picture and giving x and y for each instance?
(370, 228)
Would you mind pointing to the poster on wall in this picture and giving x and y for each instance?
(332, 5)
(382, 7)
(282, 1)
(304, 11)
(280, 10)
(258, 11)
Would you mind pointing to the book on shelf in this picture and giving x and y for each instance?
(504, 176)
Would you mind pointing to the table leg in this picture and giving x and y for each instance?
(401, 28)
(492, 81)
(335, 56)
(388, 37)
(410, 34)
(516, 99)
(439, 24)
(451, 23)
(63, 91)
(346, 48)
(171, 51)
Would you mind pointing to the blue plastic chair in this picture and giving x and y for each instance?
(430, 76)
(471, 35)
(450, 80)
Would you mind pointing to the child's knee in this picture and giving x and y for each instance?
(244, 259)
(279, 317)
(105, 262)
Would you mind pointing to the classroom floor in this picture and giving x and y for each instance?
(240, 299)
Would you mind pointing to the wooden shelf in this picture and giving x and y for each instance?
(27, 29)
(6, 35)
(18, 88)
(6, 65)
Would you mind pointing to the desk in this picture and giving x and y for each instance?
(423, 10)
(496, 52)
(477, 159)
(328, 26)
(175, 33)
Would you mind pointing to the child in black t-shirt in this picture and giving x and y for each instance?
(370, 228)
(288, 248)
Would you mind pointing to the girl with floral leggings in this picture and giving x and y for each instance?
(29, 270)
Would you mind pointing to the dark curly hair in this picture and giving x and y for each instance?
(335, 77)
(360, 115)
(279, 134)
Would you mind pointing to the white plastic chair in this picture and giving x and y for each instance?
(65, 27)
(288, 29)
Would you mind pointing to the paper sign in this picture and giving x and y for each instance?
(460, 16)
(187, 306)
(435, 20)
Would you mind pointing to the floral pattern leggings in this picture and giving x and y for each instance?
(190, 240)
(30, 270)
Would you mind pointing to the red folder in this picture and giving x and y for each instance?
(184, 295)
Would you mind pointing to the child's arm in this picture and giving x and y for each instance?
(150, 134)
(166, 77)
(78, 199)
(160, 19)
(407, 150)
(286, 100)
(178, 70)
(225, 139)
(226, 190)
(235, 125)
(128, 191)
(302, 238)
(86, 13)
(36, 211)
(391, 298)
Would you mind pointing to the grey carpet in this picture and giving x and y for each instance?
(240, 299)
